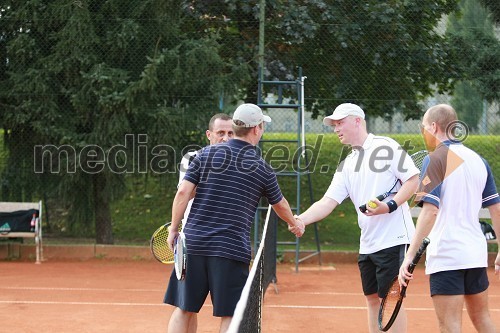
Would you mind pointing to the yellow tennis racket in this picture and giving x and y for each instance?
(159, 245)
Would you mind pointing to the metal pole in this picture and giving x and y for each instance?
(262, 24)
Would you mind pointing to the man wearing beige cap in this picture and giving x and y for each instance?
(373, 166)
(230, 178)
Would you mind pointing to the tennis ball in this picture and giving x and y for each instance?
(372, 204)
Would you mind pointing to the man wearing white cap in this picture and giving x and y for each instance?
(230, 179)
(372, 167)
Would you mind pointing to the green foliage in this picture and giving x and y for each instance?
(469, 104)
(90, 75)
(345, 47)
(477, 52)
(494, 7)
(367, 41)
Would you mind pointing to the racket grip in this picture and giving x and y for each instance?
(383, 196)
(362, 208)
(380, 197)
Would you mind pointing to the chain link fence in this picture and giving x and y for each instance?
(114, 92)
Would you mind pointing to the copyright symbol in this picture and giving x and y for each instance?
(457, 131)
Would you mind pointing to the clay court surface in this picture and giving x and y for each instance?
(126, 296)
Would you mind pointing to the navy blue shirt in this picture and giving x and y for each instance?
(230, 178)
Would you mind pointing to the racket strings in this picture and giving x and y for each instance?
(160, 248)
(418, 158)
(390, 303)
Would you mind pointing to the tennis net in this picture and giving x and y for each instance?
(248, 313)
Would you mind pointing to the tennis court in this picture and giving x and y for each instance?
(126, 296)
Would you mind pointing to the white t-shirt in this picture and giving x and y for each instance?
(458, 181)
(186, 160)
(366, 173)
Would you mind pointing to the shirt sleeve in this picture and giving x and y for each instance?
(272, 190)
(338, 189)
(184, 165)
(431, 178)
(490, 194)
(193, 172)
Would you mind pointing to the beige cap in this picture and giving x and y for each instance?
(250, 114)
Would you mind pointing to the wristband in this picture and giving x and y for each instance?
(392, 205)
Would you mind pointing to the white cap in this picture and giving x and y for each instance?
(250, 114)
(342, 111)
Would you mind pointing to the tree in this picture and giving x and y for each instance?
(494, 8)
(89, 75)
(473, 31)
(386, 56)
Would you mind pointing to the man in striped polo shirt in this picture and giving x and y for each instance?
(220, 129)
(230, 178)
(455, 183)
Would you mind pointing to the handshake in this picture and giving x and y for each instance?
(298, 228)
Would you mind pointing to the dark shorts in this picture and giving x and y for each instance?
(459, 282)
(380, 268)
(223, 278)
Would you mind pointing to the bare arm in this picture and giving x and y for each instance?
(425, 222)
(179, 206)
(408, 188)
(318, 210)
(284, 211)
(495, 221)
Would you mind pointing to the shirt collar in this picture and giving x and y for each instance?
(239, 143)
(367, 144)
(447, 143)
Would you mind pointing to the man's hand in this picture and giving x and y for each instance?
(404, 276)
(172, 235)
(377, 207)
(298, 229)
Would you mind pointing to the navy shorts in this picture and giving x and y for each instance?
(380, 268)
(459, 282)
(223, 278)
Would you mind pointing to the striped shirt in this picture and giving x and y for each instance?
(458, 181)
(230, 178)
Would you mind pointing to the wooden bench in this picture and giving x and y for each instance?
(8, 207)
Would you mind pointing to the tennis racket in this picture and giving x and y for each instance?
(180, 256)
(159, 246)
(391, 303)
(418, 159)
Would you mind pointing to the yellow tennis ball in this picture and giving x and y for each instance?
(372, 204)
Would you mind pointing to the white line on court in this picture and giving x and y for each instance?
(79, 289)
(163, 290)
(323, 307)
(355, 294)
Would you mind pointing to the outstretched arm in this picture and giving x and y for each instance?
(318, 210)
(284, 211)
